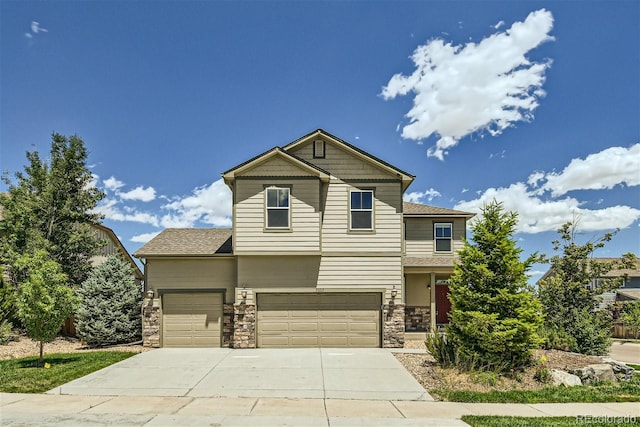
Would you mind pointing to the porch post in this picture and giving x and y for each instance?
(432, 301)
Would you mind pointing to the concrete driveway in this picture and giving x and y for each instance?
(372, 374)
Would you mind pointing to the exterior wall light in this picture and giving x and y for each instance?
(243, 294)
(394, 292)
(150, 293)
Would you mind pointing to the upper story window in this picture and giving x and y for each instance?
(278, 207)
(361, 210)
(443, 233)
(318, 149)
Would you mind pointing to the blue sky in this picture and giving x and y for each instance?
(534, 103)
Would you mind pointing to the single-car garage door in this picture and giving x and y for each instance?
(318, 320)
(191, 320)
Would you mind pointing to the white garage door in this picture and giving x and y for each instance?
(318, 320)
(191, 320)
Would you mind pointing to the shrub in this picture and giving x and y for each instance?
(442, 350)
(110, 311)
(6, 331)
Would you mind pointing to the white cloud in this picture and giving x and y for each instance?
(498, 25)
(536, 215)
(112, 184)
(139, 193)
(486, 86)
(603, 170)
(144, 237)
(419, 197)
(534, 178)
(208, 204)
(36, 28)
(110, 210)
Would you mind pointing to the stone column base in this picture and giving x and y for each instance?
(393, 326)
(244, 326)
(151, 323)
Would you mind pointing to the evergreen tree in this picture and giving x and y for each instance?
(51, 208)
(43, 300)
(494, 315)
(110, 309)
(571, 307)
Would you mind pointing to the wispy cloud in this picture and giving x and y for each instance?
(539, 207)
(210, 204)
(35, 29)
(111, 210)
(420, 197)
(479, 87)
(140, 193)
(144, 237)
(112, 184)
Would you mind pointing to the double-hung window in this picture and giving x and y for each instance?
(442, 232)
(361, 210)
(278, 207)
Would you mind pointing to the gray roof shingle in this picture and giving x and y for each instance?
(188, 242)
(420, 209)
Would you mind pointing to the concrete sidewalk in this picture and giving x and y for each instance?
(65, 410)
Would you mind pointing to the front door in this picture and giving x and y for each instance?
(443, 305)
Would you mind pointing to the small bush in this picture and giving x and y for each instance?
(5, 332)
(542, 375)
(442, 350)
(554, 338)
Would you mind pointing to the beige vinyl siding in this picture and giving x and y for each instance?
(110, 247)
(200, 273)
(416, 290)
(278, 271)
(276, 167)
(341, 163)
(419, 235)
(387, 233)
(361, 272)
(251, 234)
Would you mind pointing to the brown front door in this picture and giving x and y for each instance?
(443, 305)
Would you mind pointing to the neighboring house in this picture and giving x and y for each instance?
(323, 252)
(630, 289)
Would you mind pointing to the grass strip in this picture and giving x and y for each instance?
(25, 376)
(499, 421)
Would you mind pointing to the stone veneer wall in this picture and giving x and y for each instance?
(244, 326)
(228, 317)
(417, 318)
(151, 323)
(393, 326)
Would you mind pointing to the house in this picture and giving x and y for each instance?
(322, 252)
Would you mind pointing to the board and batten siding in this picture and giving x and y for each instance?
(251, 234)
(419, 235)
(110, 247)
(341, 163)
(387, 233)
(196, 273)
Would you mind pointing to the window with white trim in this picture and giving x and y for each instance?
(277, 207)
(361, 210)
(443, 232)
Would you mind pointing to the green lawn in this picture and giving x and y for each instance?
(24, 375)
(492, 421)
(606, 392)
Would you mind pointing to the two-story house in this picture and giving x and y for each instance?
(323, 252)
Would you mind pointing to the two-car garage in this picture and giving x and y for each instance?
(282, 319)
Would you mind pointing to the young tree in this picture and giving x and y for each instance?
(494, 315)
(44, 300)
(110, 309)
(631, 316)
(51, 208)
(570, 307)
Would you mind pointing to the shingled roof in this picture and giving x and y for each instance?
(419, 209)
(188, 242)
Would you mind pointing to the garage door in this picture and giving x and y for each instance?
(318, 320)
(191, 320)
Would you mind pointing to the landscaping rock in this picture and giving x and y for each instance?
(621, 370)
(566, 379)
(591, 374)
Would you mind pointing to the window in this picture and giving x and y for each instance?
(361, 210)
(277, 207)
(443, 237)
(318, 149)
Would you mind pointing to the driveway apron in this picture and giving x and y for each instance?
(372, 374)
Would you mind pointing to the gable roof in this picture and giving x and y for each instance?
(188, 242)
(98, 258)
(419, 210)
(616, 272)
(406, 177)
(231, 174)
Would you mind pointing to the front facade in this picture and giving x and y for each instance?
(323, 252)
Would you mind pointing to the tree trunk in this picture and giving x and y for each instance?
(41, 351)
